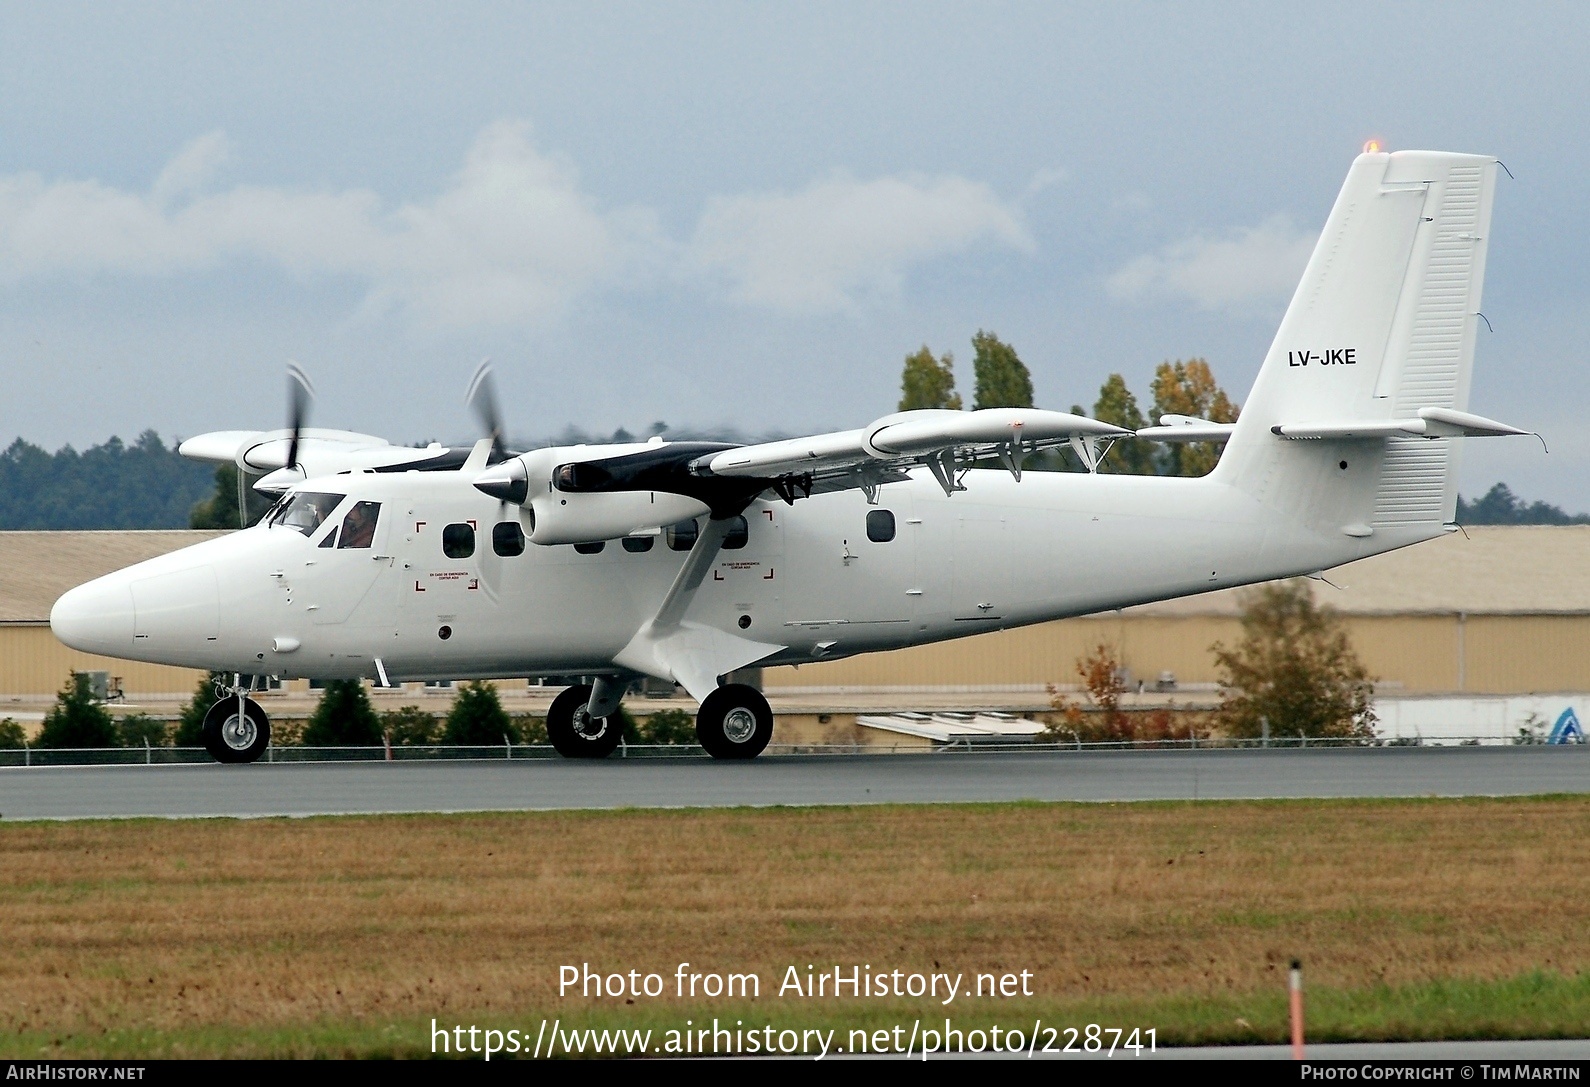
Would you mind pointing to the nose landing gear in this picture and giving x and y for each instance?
(574, 733)
(235, 729)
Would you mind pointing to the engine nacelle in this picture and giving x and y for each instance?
(568, 517)
(564, 518)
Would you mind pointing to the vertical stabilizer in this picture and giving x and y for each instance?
(1382, 325)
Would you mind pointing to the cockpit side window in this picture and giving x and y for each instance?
(306, 511)
(358, 528)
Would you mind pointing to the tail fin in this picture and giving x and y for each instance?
(1381, 328)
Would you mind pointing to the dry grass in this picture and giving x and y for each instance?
(291, 925)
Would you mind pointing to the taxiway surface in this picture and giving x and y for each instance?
(79, 792)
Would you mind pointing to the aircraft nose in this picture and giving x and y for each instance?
(96, 617)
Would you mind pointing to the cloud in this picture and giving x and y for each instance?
(841, 240)
(1252, 266)
(511, 238)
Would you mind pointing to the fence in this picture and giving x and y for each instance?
(167, 756)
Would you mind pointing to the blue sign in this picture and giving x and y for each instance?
(1567, 730)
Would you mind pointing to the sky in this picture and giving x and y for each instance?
(739, 215)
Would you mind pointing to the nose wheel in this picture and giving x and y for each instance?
(735, 722)
(231, 734)
(574, 733)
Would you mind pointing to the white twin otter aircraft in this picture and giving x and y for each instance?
(688, 560)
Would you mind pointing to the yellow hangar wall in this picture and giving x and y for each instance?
(33, 663)
(1413, 654)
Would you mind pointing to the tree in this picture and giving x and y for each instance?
(410, 727)
(191, 720)
(1117, 404)
(669, 727)
(109, 486)
(76, 720)
(137, 729)
(1002, 378)
(1295, 668)
(529, 729)
(11, 734)
(220, 509)
(477, 716)
(1188, 388)
(344, 717)
(927, 382)
(1500, 506)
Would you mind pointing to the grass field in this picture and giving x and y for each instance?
(1432, 918)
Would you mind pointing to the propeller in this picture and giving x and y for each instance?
(299, 395)
(482, 397)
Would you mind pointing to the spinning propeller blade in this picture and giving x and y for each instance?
(482, 397)
(299, 394)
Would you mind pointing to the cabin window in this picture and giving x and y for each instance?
(306, 511)
(458, 541)
(358, 528)
(638, 545)
(739, 535)
(591, 548)
(681, 537)
(880, 525)
(507, 539)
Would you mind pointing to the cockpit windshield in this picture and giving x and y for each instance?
(305, 511)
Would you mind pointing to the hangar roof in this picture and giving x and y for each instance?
(1516, 570)
(1493, 570)
(37, 567)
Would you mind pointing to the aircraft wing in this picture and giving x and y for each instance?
(936, 439)
(321, 452)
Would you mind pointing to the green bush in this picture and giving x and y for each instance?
(669, 727)
(136, 729)
(411, 727)
(191, 721)
(344, 717)
(631, 729)
(11, 734)
(76, 720)
(477, 717)
(530, 728)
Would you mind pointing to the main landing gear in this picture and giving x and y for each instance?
(735, 722)
(235, 729)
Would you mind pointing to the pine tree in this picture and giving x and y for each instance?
(477, 717)
(344, 717)
(76, 720)
(1002, 378)
(927, 382)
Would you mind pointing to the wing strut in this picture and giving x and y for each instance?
(691, 654)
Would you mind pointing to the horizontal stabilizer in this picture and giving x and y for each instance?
(1429, 423)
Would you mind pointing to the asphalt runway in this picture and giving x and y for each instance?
(81, 792)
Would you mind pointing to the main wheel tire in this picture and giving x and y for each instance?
(232, 737)
(575, 734)
(735, 722)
